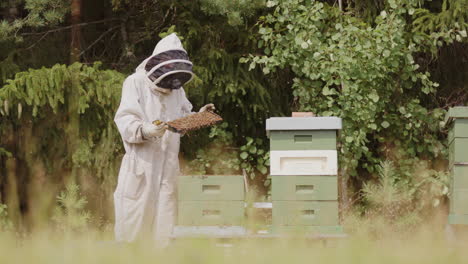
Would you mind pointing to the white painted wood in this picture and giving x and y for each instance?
(303, 162)
(303, 123)
(263, 205)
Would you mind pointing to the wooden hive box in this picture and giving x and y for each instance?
(213, 200)
(457, 122)
(304, 168)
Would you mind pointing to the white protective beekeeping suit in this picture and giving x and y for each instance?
(145, 197)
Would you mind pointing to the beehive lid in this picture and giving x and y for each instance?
(456, 112)
(303, 123)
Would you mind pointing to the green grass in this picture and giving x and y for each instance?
(426, 247)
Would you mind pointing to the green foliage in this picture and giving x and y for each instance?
(99, 94)
(7, 69)
(452, 15)
(41, 13)
(401, 202)
(388, 196)
(217, 158)
(365, 74)
(255, 160)
(245, 99)
(47, 88)
(5, 152)
(5, 222)
(367, 64)
(228, 84)
(38, 102)
(234, 10)
(221, 157)
(70, 214)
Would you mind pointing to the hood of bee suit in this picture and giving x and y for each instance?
(169, 66)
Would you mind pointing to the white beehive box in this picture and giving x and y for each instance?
(303, 162)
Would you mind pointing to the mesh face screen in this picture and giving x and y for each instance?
(173, 80)
(176, 66)
(165, 56)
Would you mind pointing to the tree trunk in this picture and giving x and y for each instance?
(75, 45)
(73, 94)
(38, 201)
(128, 54)
(12, 11)
(343, 173)
(12, 198)
(343, 190)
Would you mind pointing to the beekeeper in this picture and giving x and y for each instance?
(145, 197)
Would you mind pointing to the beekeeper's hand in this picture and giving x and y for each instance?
(210, 107)
(153, 131)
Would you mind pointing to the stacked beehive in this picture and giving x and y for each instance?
(303, 168)
(457, 119)
(211, 201)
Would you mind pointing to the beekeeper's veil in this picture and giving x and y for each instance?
(169, 66)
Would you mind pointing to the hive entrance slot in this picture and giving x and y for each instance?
(308, 213)
(302, 138)
(304, 188)
(211, 213)
(211, 188)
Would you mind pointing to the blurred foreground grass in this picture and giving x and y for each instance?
(426, 247)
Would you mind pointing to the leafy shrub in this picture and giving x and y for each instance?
(5, 222)
(218, 157)
(364, 73)
(70, 214)
(402, 205)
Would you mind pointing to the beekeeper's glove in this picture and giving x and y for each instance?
(210, 107)
(153, 131)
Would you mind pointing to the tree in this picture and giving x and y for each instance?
(364, 73)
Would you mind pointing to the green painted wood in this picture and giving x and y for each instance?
(455, 219)
(456, 112)
(307, 230)
(459, 176)
(211, 213)
(312, 213)
(211, 188)
(458, 151)
(306, 188)
(459, 201)
(450, 136)
(303, 140)
(458, 130)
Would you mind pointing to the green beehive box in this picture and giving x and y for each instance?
(307, 230)
(459, 130)
(458, 151)
(305, 188)
(303, 140)
(455, 219)
(303, 133)
(458, 112)
(305, 213)
(302, 202)
(211, 213)
(459, 175)
(457, 121)
(458, 202)
(211, 188)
